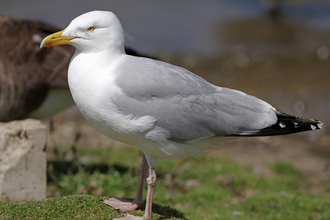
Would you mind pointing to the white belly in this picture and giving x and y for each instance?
(92, 93)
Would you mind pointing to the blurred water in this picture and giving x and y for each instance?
(172, 25)
(232, 43)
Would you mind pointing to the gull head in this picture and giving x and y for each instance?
(93, 31)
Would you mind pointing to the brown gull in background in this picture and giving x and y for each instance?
(33, 82)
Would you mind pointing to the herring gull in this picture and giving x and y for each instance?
(165, 110)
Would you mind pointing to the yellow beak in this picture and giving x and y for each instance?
(56, 39)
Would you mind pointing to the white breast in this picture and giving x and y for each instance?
(92, 88)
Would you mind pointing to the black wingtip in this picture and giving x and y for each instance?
(297, 124)
(286, 124)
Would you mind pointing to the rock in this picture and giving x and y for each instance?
(23, 160)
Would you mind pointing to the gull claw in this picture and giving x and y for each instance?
(129, 217)
(120, 204)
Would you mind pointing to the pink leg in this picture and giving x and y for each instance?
(151, 185)
(125, 205)
(148, 211)
(143, 173)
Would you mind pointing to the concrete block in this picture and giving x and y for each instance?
(23, 160)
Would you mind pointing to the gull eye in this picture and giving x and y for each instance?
(91, 29)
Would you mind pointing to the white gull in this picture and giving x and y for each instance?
(165, 110)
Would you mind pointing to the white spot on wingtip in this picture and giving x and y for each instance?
(313, 127)
(282, 125)
(295, 124)
(320, 124)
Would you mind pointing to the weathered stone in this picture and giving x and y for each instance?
(22, 160)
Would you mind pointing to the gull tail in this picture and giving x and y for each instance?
(286, 124)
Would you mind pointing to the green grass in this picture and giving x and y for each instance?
(209, 187)
(283, 167)
(74, 207)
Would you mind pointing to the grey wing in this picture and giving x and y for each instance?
(186, 106)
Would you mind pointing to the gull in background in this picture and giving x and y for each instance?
(165, 110)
